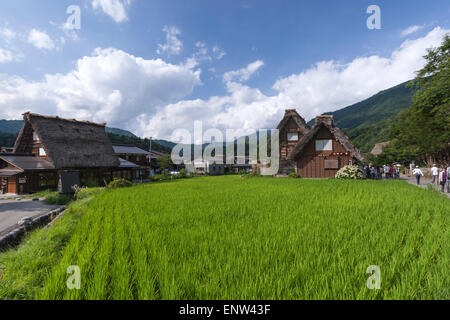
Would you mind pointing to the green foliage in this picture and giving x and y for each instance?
(83, 193)
(165, 162)
(7, 139)
(350, 172)
(293, 175)
(58, 198)
(119, 183)
(190, 241)
(422, 132)
(24, 269)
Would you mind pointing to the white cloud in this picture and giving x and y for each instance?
(6, 56)
(243, 74)
(410, 30)
(7, 34)
(173, 45)
(40, 40)
(148, 96)
(326, 86)
(110, 85)
(116, 9)
(218, 52)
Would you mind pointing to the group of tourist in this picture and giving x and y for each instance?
(441, 176)
(376, 172)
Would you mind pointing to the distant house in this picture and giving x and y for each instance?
(48, 148)
(212, 168)
(378, 148)
(317, 152)
(135, 158)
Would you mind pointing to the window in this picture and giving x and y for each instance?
(292, 136)
(35, 136)
(42, 152)
(324, 145)
(138, 158)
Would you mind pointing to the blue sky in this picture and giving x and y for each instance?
(155, 66)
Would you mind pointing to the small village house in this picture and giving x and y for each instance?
(317, 152)
(136, 159)
(48, 147)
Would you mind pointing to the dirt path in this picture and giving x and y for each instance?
(424, 182)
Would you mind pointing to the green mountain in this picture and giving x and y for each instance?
(369, 121)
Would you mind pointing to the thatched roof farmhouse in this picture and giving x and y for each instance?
(317, 152)
(50, 148)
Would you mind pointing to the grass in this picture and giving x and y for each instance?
(229, 238)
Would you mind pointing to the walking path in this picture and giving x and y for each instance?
(424, 182)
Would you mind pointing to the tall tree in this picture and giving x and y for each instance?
(422, 132)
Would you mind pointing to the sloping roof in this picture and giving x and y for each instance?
(124, 149)
(69, 143)
(292, 114)
(9, 172)
(338, 134)
(378, 148)
(27, 162)
(127, 164)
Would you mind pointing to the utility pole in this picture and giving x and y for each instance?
(150, 156)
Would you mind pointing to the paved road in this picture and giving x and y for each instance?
(11, 211)
(424, 182)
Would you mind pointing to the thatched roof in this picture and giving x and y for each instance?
(327, 122)
(378, 148)
(69, 143)
(292, 114)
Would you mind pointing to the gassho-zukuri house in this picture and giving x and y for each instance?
(314, 152)
(56, 153)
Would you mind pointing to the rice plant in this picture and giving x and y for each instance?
(257, 238)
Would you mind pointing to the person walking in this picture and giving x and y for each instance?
(386, 171)
(448, 179)
(443, 178)
(435, 173)
(418, 173)
(372, 172)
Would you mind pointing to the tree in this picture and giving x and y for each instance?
(165, 162)
(422, 132)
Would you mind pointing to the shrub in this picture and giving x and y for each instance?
(350, 172)
(293, 175)
(58, 199)
(119, 183)
(184, 174)
(83, 193)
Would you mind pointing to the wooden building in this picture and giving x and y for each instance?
(48, 145)
(317, 152)
(140, 158)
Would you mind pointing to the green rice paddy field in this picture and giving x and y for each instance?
(233, 238)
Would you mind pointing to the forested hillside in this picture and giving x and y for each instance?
(369, 121)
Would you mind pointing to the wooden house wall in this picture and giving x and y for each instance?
(311, 163)
(285, 145)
